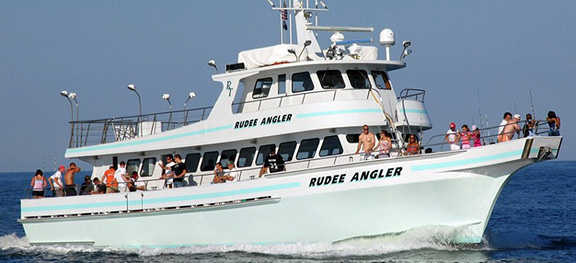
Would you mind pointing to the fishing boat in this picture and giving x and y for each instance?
(308, 101)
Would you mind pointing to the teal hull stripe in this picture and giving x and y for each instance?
(162, 200)
(337, 112)
(145, 141)
(414, 111)
(466, 162)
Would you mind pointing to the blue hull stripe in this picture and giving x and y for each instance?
(466, 162)
(336, 112)
(414, 111)
(163, 199)
(145, 141)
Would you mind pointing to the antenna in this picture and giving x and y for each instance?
(532, 106)
(487, 125)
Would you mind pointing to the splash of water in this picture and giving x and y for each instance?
(429, 237)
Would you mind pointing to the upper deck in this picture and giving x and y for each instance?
(282, 80)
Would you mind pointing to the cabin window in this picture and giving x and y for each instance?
(246, 156)
(302, 82)
(209, 161)
(381, 79)
(192, 161)
(352, 138)
(307, 148)
(238, 104)
(282, 84)
(148, 166)
(286, 150)
(132, 166)
(228, 156)
(331, 146)
(330, 79)
(262, 88)
(263, 151)
(358, 79)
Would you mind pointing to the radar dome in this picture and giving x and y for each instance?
(387, 37)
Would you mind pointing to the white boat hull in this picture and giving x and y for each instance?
(457, 189)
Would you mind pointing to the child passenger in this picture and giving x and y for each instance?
(465, 135)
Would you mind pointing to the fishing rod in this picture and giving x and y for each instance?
(487, 125)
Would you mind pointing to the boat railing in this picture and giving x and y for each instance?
(294, 99)
(412, 94)
(488, 135)
(101, 131)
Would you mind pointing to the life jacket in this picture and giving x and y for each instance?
(109, 179)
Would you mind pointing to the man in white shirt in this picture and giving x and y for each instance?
(452, 137)
(232, 174)
(120, 176)
(56, 182)
(507, 117)
(168, 175)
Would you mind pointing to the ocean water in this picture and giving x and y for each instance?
(533, 221)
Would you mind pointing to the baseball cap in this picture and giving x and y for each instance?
(517, 116)
(474, 127)
(452, 125)
(61, 167)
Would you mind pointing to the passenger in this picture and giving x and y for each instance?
(167, 175)
(110, 179)
(120, 176)
(274, 162)
(99, 188)
(511, 128)
(465, 135)
(86, 188)
(179, 171)
(134, 184)
(528, 128)
(476, 136)
(507, 116)
(232, 173)
(553, 123)
(69, 185)
(452, 137)
(413, 147)
(38, 184)
(56, 182)
(218, 174)
(384, 145)
(366, 141)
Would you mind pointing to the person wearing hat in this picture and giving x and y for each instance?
(56, 182)
(452, 137)
(510, 128)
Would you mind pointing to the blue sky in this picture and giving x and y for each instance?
(501, 50)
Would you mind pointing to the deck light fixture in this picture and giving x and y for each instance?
(191, 95)
(293, 52)
(133, 88)
(72, 95)
(405, 51)
(212, 63)
(65, 94)
(306, 44)
(167, 98)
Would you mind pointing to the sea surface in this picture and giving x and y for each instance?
(533, 221)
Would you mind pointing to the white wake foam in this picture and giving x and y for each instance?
(430, 237)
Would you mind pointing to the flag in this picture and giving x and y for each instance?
(284, 16)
